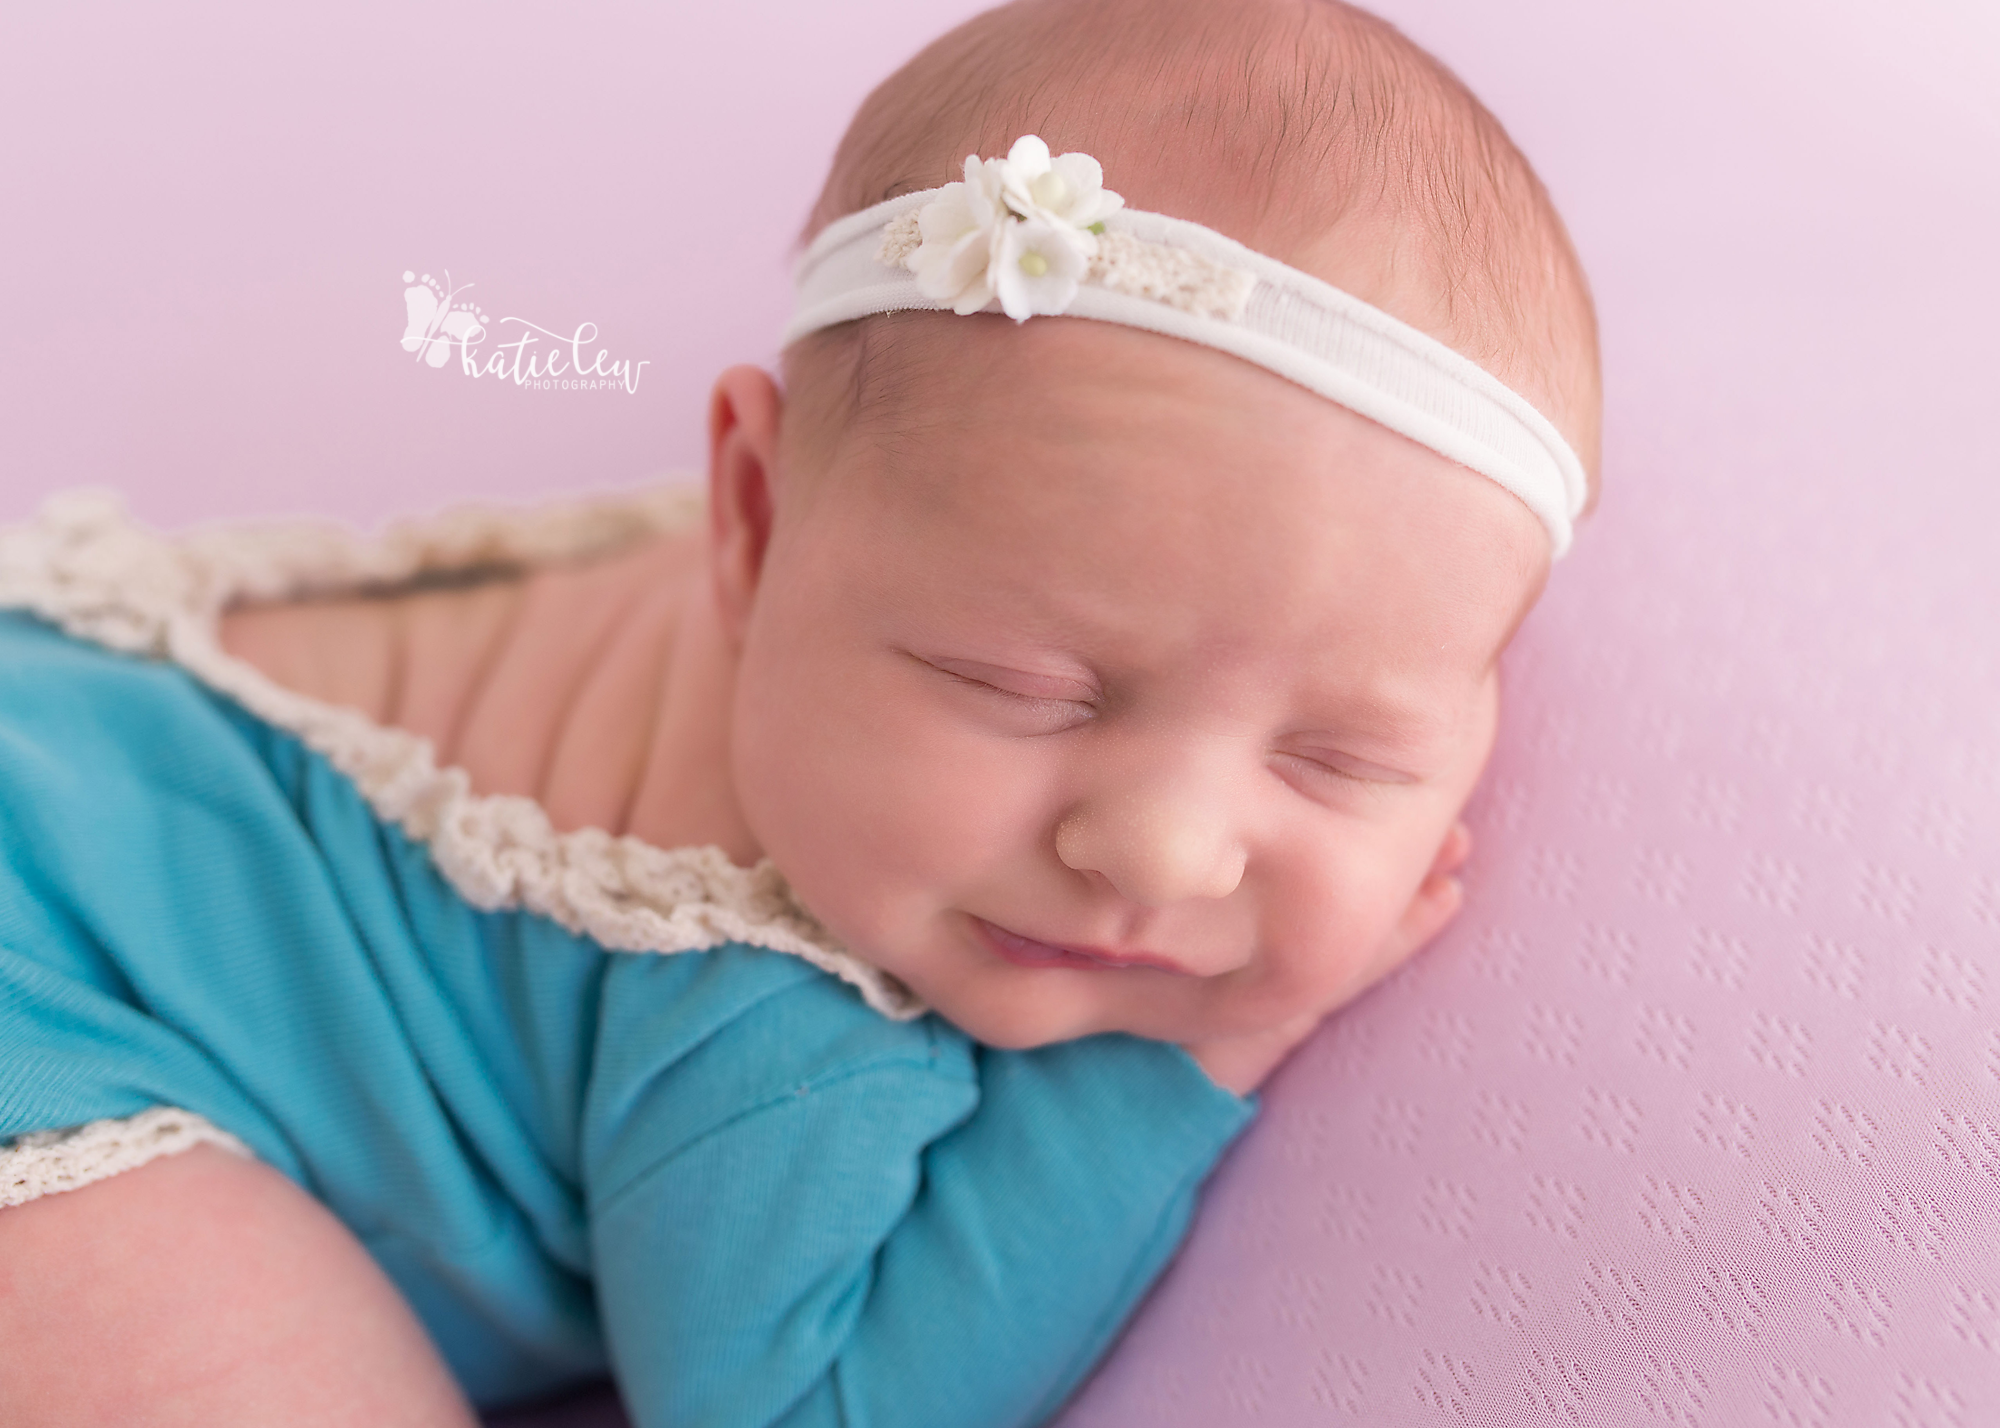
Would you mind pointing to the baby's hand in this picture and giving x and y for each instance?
(1240, 1063)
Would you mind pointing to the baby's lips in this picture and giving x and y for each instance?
(1017, 945)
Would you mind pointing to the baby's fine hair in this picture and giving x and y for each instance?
(1309, 130)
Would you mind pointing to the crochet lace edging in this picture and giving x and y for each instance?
(48, 1162)
(86, 567)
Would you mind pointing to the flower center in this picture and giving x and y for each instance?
(1048, 189)
(1034, 264)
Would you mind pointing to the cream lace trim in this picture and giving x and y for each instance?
(50, 1161)
(1124, 263)
(83, 565)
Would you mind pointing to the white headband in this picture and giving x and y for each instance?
(1033, 234)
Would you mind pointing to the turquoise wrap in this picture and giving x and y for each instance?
(718, 1175)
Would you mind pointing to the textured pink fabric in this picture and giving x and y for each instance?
(1695, 1118)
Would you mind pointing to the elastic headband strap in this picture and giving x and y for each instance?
(1286, 321)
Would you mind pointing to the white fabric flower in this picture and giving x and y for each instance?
(1066, 189)
(1018, 229)
(1036, 266)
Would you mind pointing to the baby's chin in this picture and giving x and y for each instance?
(1013, 1019)
(1021, 1009)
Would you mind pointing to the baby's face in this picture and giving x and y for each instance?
(1116, 684)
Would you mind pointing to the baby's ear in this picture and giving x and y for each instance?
(1437, 899)
(742, 449)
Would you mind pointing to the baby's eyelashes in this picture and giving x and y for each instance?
(1334, 764)
(1016, 701)
(1042, 702)
(1025, 684)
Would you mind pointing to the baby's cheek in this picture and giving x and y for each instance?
(1327, 922)
(877, 811)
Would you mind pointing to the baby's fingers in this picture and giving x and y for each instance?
(1456, 848)
(1436, 904)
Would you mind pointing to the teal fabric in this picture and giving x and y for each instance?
(719, 1175)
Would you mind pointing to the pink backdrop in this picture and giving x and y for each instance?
(1695, 1118)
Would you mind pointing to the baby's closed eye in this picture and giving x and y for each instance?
(1037, 702)
(1322, 762)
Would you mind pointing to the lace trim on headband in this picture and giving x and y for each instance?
(87, 568)
(47, 1162)
(1123, 263)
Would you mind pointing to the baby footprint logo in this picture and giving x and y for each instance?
(437, 318)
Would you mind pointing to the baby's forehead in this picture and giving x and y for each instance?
(1166, 489)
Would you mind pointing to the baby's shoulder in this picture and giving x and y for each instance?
(86, 726)
(149, 819)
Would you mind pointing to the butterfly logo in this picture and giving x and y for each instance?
(437, 320)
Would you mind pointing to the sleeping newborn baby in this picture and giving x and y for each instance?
(1066, 701)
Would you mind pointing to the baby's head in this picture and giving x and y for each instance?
(1061, 634)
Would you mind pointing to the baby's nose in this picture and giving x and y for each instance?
(1154, 848)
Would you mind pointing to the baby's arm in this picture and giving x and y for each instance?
(928, 1233)
(205, 1289)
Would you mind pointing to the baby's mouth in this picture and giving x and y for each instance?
(1028, 952)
